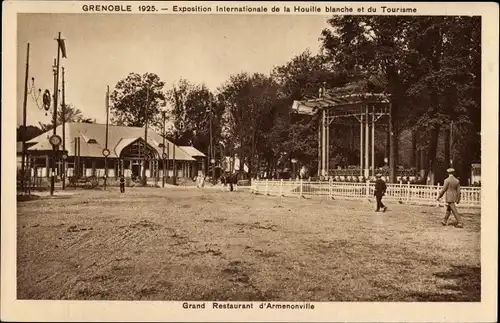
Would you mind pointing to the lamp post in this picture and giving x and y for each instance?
(106, 151)
(212, 157)
(144, 179)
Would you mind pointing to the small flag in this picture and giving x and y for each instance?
(62, 45)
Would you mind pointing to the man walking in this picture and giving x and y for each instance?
(380, 189)
(452, 189)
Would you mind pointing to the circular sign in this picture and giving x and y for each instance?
(55, 140)
(165, 156)
(105, 152)
(64, 156)
(212, 161)
(46, 100)
(294, 161)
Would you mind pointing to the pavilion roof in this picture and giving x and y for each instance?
(193, 152)
(92, 140)
(343, 98)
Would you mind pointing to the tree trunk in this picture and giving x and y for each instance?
(393, 159)
(251, 159)
(432, 152)
(447, 148)
(414, 151)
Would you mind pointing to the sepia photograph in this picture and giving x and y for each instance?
(247, 160)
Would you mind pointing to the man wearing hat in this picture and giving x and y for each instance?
(380, 189)
(452, 189)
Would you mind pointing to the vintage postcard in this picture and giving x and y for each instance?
(225, 161)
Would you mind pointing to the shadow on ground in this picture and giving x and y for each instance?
(465, 281)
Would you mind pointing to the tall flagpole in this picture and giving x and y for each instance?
(174, 166)
(23, 133)
(63, 107)
(54, 116)
(60, 46)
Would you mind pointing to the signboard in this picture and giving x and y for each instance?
(105, 152)
(46, 100)
(55, 140)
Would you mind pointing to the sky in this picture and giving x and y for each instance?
(103, 49)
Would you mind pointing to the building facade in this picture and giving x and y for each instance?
(130, 153)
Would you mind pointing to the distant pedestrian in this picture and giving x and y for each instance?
(200, 181)
(380, 189)
(451, 188)
(233, 182)
(303, 172)
(122, 183)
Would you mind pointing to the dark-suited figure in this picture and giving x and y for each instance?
(122, 184)
(380, 189)
(451, 190)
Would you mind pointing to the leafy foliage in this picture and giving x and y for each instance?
(132, 95)
(193, 109)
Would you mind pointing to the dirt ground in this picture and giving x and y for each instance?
(190, 244)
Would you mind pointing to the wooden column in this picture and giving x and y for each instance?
(323, 144)
(388, 145)
(361, 146)
(367, 142)
(327, 146)
(84, 169)
(373, 141)
(319, 146)
(47, 166)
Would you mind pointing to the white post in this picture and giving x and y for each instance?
(408, 192)
(437, 194)
(361, 145)
(400, 194)
(367, 193)
(300, 195)
(330, 188)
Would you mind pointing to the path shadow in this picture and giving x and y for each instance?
(463, 281)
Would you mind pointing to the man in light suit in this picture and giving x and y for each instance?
(451, 188)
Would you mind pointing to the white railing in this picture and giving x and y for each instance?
(405, 193)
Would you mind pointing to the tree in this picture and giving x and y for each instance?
(449, 86)
(300, 78)
(129, 98)
(194, 107)
(72, 114)
(249, 102)
(430, 66)
(30, 132)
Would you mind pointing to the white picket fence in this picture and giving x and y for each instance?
(405, 193)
